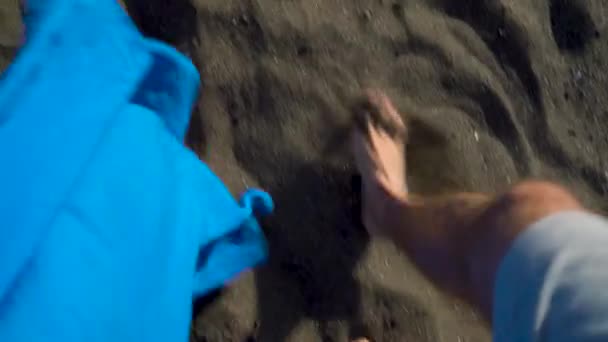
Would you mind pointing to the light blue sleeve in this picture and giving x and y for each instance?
(109, 225)
(552, 285)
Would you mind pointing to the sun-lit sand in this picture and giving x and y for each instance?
(496, 91)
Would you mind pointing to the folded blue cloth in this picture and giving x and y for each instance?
(109, 226)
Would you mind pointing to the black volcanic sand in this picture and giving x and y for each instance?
(497, 91)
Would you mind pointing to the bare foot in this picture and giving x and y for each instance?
(379, 149)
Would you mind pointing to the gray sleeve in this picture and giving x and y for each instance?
(552, 284)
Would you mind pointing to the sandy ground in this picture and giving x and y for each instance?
(496, 90)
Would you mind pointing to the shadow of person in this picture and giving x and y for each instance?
(172, 21)
(315, 240)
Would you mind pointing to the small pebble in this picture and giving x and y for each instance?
(476, 136)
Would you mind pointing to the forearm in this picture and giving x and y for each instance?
(459, 241)
(439, 235)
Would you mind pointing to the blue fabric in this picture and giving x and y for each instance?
(109, 226)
